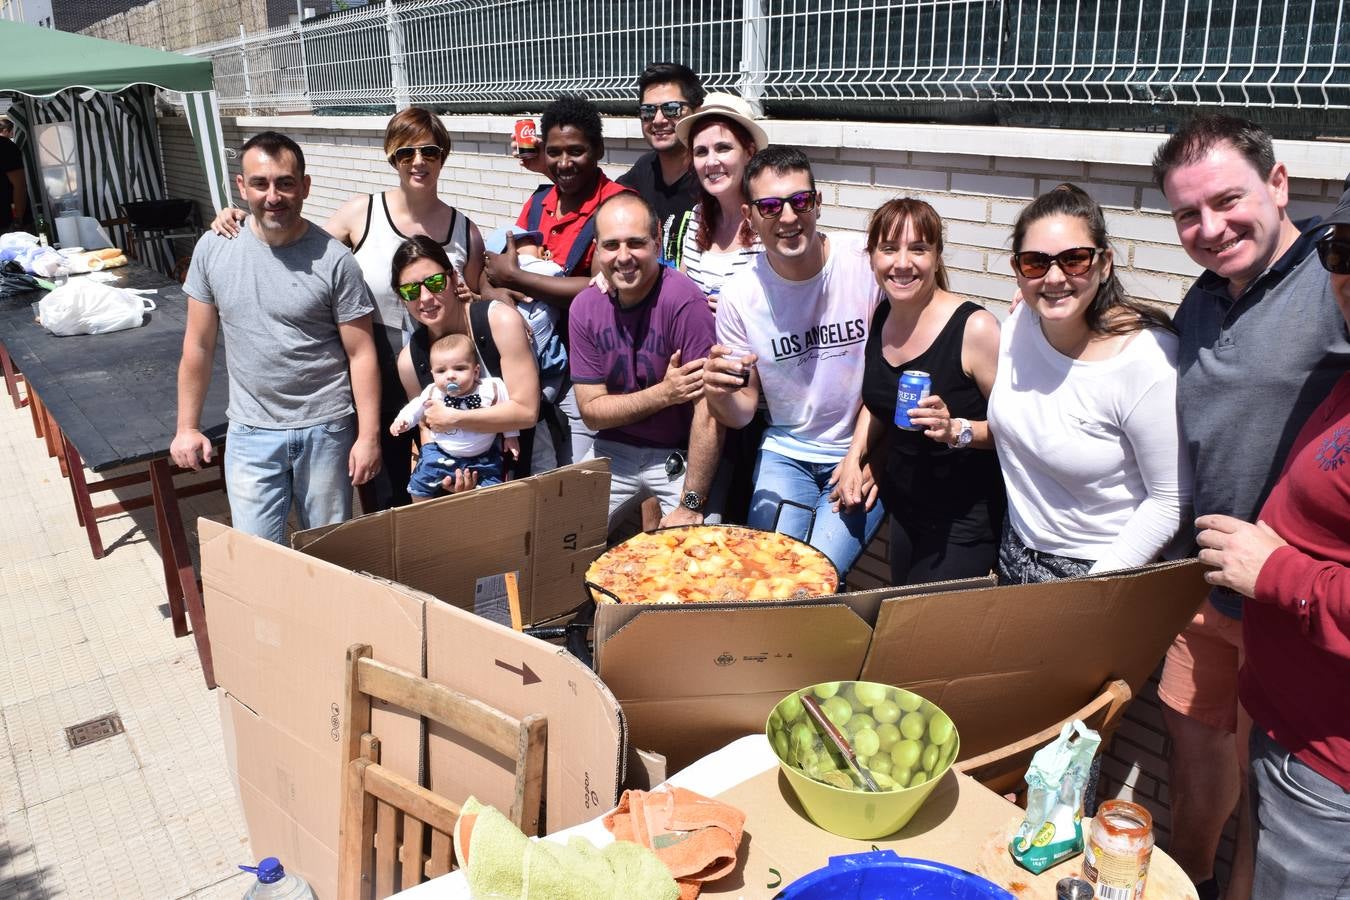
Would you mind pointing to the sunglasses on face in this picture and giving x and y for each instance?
(1074, 261)
(772, 207)
(413, 289)
(1334, 254)
(404, 155)
(671, 109)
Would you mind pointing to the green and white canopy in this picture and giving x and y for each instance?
(40, 63)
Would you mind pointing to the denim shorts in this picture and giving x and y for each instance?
(434, 464)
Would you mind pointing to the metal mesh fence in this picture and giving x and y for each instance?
(888, 57)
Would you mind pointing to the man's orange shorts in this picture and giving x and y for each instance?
(1200, 677)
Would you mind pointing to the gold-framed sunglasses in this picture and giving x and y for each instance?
(404, 155)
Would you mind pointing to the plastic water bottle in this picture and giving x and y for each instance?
(274, 884)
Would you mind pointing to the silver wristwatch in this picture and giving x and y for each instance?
(966, 435)
(692, 501)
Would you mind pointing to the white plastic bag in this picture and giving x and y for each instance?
(85, 307)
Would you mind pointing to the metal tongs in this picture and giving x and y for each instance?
(842, 743)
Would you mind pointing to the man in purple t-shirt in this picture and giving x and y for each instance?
(637, 359)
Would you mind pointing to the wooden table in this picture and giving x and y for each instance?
(108, 401)
(962, 824)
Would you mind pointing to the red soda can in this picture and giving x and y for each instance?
(526, 137)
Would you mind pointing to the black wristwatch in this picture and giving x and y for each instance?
(692, 500)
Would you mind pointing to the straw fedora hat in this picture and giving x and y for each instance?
(727, 106)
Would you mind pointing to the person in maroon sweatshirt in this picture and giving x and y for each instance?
(1294, 562)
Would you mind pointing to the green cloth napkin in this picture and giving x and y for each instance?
(504, 863)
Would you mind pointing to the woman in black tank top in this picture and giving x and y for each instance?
(941, 482)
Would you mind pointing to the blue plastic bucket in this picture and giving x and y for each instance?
(881, 875)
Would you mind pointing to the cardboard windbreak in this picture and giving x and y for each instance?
(547, 529)
(281, 623)
(1004, 662)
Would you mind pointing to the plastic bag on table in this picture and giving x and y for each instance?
(84, 307)
(1053, 828)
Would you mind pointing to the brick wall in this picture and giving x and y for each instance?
(978, 196)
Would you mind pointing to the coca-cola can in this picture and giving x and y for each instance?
(526, 136)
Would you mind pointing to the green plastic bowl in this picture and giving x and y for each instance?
(858, 813)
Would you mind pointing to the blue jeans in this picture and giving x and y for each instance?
(434, 464)
(1301, 821)
(840, 536)
(268, 469)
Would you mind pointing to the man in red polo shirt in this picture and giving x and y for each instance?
(574, 144)
(573, 147)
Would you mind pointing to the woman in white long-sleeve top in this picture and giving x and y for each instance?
(1083, 409)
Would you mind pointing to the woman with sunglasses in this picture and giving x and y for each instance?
(940, 483)
(423, 277)
(374, 225)
(1083, 408)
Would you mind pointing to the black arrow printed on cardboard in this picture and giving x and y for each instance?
(526, 674)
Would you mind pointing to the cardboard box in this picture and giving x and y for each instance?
(1004, 662)
(547, 529)
(281, 622)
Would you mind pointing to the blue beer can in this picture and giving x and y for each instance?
(913, 387)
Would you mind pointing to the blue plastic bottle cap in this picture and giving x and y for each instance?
(270, 870)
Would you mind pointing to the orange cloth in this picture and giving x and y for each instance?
(696, 837)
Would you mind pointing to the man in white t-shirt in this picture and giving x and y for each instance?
(793, 324)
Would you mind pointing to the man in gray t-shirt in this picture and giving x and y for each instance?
(296, 316)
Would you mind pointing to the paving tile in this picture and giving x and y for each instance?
(210, 845)
(11, 798)
(106, 840)
(42, 656)
(127, 627)
(46, 766)
(165, 717)
(21, 878)
(231, 888)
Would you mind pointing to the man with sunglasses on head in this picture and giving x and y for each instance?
(1261, 344)
(667, 92)
(1293, 566)
(304, 404)
(637, 360)
(792, 325)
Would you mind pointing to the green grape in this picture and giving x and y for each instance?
(948, 754)
(900, 775)
(827, 763)
(839, 780)
(939, 728)
(886, 712)
(791, 708)
(780, 745)
(881, 764)
(930, 757)
(838, 710)
(775, 721)
(908, 701)
(868, 693)
(918, 778)
(860, 721)
(882, 779)
(803, 736)
(889, 734)
(913, 725)
(827, 690)
(905, 754)
(866, 742)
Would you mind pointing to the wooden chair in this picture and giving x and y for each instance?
(1003, 769)
(394, 833)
